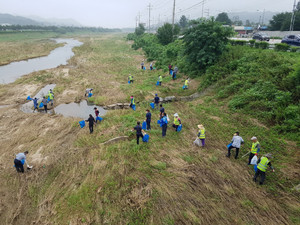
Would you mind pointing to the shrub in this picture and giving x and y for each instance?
(252, 42)
(264, 45)
(294, 49)
(282, 47)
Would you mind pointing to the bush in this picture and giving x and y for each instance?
(282, 47)
(252, 42)
(264, 45)
(294, 49)
(256, 44)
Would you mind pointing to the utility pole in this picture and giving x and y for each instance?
(149, 7)
(293, 17)
(173, 18)
(202, 8)
(207, 13)
(139, 17)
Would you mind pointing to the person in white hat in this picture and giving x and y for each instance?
(201, 134)
(255, 148)
(177, 121)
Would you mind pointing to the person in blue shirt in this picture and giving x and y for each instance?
(156, 101)
(148, 119)
(162, 110)
(18, 161)
(139, 132)
(35, 104)
(164, 124)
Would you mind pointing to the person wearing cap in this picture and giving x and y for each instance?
(164, 124)
(262, 165)
(151, 66)
(236, 143)
(51, 97)
(87, 91)
(177, 121)
(148, 119)
(159, 79)
(201, 134)
(255, 148)
(130, 78)
(156, 101)
(18, 161)
(132, 101)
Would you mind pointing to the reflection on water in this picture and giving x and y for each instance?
(59, 56)
(81, 110)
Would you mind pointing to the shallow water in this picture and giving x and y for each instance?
(81, 110)
(59, 56)
(27, 107)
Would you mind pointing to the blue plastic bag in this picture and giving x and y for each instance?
(154, 68)
(28, 98)
(179, 128)
(255, 168)
(229, 145)
(146, 138)
(152, 105)
(90, 95)
(171, 72)
(133, 107)
(157, 83)
(144, 125)
(129, 82)
(183, 87)
(98, 118)
(144, 67)
(82, 123)
(158, 122)
(41, 105)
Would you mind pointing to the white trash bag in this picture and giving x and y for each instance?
(198, 142)
(254, 160)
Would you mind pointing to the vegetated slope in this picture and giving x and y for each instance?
(78, 180)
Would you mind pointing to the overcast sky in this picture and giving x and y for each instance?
(123, 13)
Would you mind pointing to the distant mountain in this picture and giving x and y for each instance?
(34, 20)
(252, 16)
(16, 20)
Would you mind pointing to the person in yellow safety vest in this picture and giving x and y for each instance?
(159, 79)
(132, 102)
(177, 121)
(186, 83)
(262, 165)
(201, 134)
(255, 148)
(51, 97)
(130, 78)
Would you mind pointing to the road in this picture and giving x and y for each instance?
(272, 41)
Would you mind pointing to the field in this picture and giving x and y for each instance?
(77, 179)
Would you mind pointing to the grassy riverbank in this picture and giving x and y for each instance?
(78, 180)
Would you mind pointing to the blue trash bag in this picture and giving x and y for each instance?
(171, 72)
(90, 95)
(154, 68)
(152, 105)
(158, 122)
(146, 138)
(183, 87)
(229, 145)
(98, 118)
(255, 168)
(22, 161)
(179, 128)
(144, 67)
(28, 98)
(157, 83)
(41, 105)
(82, 123)
(144, 125)
(133, 107)
(129, 82)
(175, 76)
(48, 99)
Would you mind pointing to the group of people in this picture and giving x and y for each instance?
(260, 165)
(45, 100)
(92, 121)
